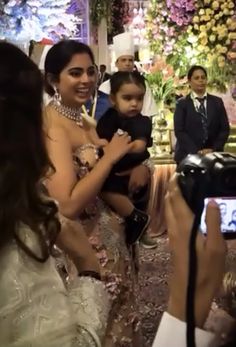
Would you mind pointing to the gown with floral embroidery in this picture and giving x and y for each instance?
(105, 231)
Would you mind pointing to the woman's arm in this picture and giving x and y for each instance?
(74, 196)
(74, 242)
(91, 306)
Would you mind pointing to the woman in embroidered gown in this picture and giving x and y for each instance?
(35, 307)
(73, 148)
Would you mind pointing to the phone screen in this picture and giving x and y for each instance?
(227, 208)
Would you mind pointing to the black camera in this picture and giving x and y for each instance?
(209, 176)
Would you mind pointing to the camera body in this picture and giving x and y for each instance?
(212, 175)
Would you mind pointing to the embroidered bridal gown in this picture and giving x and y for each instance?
(36, 309)
(105, 231)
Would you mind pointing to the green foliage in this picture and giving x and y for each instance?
(162, 89)
(218, 77)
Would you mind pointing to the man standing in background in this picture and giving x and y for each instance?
(103, 75)
(124, 53)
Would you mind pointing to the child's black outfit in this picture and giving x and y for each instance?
(139, 128)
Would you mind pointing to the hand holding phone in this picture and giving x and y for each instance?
(227, 208)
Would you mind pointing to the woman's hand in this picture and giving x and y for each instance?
(117, 147)
(139, 178)
(211, 253)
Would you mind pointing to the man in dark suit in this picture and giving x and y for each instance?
(200, 121)
(103, 75)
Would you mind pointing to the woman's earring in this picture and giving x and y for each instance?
(57, 97)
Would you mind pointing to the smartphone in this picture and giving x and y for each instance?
(227, 206)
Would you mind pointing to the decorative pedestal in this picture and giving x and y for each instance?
(162, 144)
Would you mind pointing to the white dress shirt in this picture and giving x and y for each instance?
(196, 102)
(172, 333)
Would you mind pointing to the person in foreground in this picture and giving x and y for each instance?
(35, 307)
(127, 93)
(73, 146)
(211, 255)
(200, 120)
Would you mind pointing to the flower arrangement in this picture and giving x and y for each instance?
(166, 20)
(188, 32)
(163, 82)
(214, 29)
(218, 76)
(181, 11)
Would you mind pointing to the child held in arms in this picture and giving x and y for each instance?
(127, 94)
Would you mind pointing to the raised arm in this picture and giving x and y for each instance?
(73, 195)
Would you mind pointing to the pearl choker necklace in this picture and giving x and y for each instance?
(69, 112)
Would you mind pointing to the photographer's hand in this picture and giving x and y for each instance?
(205, 151)
(211, 253)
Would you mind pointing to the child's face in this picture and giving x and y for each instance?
(129, 99)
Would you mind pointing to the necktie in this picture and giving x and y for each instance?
(202, 110)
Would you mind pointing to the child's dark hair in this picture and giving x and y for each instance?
(122, 77)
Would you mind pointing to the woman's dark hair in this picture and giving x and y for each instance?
(59, 56)
(118, 79)
(23, 156)
(194, 68)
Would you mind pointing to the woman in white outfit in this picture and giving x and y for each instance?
(35, 307)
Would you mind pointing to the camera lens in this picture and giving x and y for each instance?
(228, 180)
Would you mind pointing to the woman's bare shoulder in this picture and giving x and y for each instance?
(52, 124)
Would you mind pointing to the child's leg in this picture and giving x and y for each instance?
(136, 220)
(120, 203)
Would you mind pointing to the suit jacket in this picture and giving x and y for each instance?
(104, 77)
(189, 131)
(103, 104)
